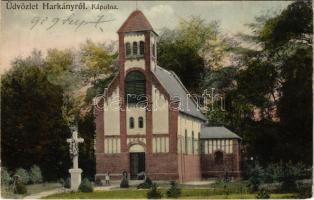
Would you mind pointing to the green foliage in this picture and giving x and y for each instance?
(98, 58)
(22, 175)
(86, 128)
(154, 193)
(35, 174)
(5, 177)
(173, 191)
(67, 183)
(20, 188)
(262, 194)
(286, 26)
(304, 190)
(273, 172)
(124, 183)
(86, 186)
(34, 130)
(255, 178)
(270, 80)
(191, 49)
(289, 177)
(146, 184)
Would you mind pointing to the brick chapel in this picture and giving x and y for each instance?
(147, 123)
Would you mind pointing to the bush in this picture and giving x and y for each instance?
(262, 194)
(23, 176)
(20, 188)
(273, 172)
(154, 193)
(5, 177)
(255, 178)
(67, 183)
(35, 174)
(304, 191)
(86, 186)
(289, 177)
(146, 184)
(124, 183)
(98, 182)
(174, 191)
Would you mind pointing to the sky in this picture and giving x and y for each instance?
(18, 39)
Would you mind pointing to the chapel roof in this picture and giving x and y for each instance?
(175, 88)
(217, 132)
(135, 22)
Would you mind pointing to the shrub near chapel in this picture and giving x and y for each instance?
(35, 174)
(23, 176)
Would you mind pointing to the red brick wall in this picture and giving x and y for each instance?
(162, 166)
(189, 167)
(113, 163)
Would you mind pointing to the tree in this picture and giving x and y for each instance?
(277, 78)
(86, 128)
(192, 49)
(33, 130)
(98, 58)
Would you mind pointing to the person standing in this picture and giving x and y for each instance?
(107, 178)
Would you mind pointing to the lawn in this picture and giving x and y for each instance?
(141, 194)
(31, 189)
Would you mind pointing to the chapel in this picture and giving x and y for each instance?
(146, 123)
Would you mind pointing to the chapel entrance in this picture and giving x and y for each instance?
(137, 162)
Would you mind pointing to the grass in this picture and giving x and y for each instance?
(31, 189)
(141, 194)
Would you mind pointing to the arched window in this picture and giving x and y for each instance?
(131, 122)
(135, 48)
(219, 157)
(135, 88)
(140, 122)
(141, 48)
(127, 49)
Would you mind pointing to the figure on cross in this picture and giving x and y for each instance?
(74, 150)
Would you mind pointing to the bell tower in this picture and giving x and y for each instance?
(137, 43)
(137, 53)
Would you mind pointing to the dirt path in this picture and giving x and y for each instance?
(45, 193)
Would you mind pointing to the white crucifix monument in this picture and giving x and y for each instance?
(74, 150)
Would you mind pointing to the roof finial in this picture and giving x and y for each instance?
(136, 5)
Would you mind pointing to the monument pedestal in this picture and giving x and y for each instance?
(75, 178)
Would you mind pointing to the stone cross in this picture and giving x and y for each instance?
(74, 150)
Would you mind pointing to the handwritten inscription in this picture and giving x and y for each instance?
(51, 22)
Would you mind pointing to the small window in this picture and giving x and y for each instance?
(199, 143)
(154, 50)
(192, 142)
(141, 48)
(140, 122)
(186, 141)
(135, 48)
(219, 158)
(131, 122)
(127, 49)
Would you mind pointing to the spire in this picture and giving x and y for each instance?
(135, 22)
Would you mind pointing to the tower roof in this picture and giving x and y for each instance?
(136, 22)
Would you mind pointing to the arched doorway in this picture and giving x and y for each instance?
(137, 161)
